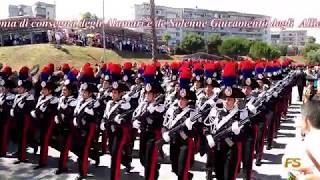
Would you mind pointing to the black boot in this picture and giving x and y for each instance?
(40, 166)
(209, 174)
(258, 161)
(60, 171)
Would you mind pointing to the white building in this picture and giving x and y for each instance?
(20, 10)
(297, 38)
(142, 11)
(39, 9)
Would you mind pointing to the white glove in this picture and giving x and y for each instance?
(189, 124)
(151, 108)
(235, 128)
(275, 94)
(2, 101)
(56, 120)
(166, 136)
(11, 112)
(75, 122)
(211, 142)
(33, 114)
(102, 126)
(252, 108)
(117, 119)
(136, 124)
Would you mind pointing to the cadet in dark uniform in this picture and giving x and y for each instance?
(148, 117)
(227, 148)
(6, 101)
(85, 119)
(22, 105)
(64, 119)
(43, 114)
(178, 129)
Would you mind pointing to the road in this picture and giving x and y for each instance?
(271, 168)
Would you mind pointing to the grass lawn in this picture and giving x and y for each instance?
(42, 54)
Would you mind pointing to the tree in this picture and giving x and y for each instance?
(274, 53)
(282, 48)
(166, 38)
(213, 42)
(313, 56)
(234, 47)
(192, 42)
(259, 50)
(311, 39)
(89, 16)
(309, 47)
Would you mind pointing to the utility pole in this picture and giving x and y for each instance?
(153, 30)
(103, 33)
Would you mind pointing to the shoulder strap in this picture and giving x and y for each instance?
(314, 161)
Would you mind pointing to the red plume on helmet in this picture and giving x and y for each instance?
(149, 73)
(65, 68)
(127, 66)
(24, 73)
(185, 77)
(7, 71)
(115, 71)
(247, 68)
(229, 73)
(51, 68)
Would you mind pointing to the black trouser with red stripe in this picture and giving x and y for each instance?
(23, 126)
(67, 144)
(148, 153)
(85, 136)
(5, 127)
(262, 132)
(181, 154)
(117, 141)
(227, 160)
(248, 145)
(46, 128)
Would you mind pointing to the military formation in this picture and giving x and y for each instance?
(226, 110)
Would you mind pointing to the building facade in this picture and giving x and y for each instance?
(39, 10)
(142, 11)
(296, 38)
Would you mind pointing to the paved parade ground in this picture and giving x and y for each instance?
(270, 169)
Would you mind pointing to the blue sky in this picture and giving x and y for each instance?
(124, 9)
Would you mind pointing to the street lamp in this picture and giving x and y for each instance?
(103, 33)
(153, 30)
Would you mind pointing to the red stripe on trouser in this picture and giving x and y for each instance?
(65, 152)
(264, 134)
(239, 150)
(45, 143)
(104, 142)
(23, 145)
(5, 138)
(190, 153)
(154, 156)
(84, 166)
(123, 141)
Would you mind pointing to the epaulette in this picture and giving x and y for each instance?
(30, 97)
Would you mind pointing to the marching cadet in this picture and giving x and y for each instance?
(148, 117)
(85, 117)
(6, 101)
(208, 99)
(262, 124)
(250, 130)
(227, 148)
(20, 111)
(178, 129)
(64, 118)
(116, 123)
(127, 74)
(43, 114)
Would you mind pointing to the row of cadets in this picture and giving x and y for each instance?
(181, 140)
(64, 118)
(6, 101)
(226, 150)
(197, 79)
(20, 112)
(172, 85)
(116, 123)
(250, 130)
(148, 118)
(85, 118)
